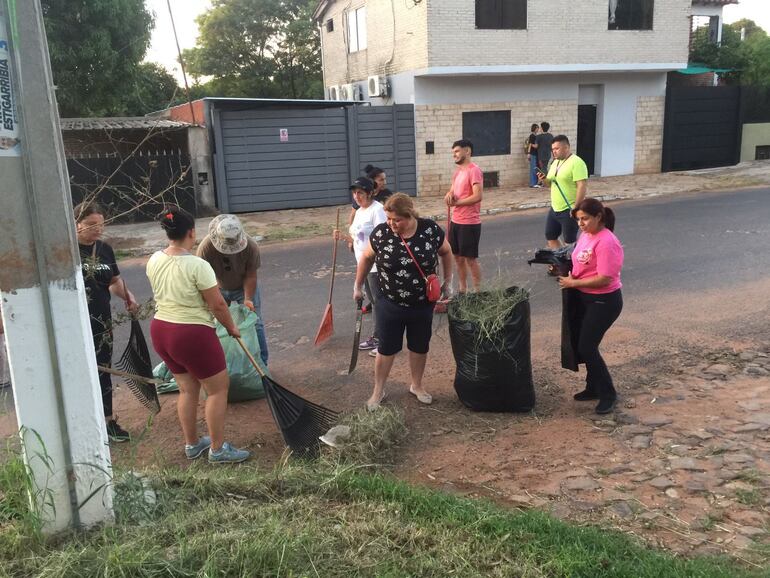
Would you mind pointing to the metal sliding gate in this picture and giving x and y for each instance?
(295, 157)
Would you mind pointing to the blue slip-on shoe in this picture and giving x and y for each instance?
(193, 452)
(227, 454)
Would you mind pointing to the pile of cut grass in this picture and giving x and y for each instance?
(488, 311)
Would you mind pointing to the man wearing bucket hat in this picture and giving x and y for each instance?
(234, 256)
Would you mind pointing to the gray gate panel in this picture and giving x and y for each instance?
(264, 173)
(326, 148)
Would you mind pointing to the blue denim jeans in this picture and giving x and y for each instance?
(532, 172)
(236, 295)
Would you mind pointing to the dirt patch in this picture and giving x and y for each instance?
(683, 463)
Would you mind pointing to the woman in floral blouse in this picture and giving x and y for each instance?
(405, 306)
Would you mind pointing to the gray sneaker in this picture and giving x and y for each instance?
(193, 452)
(227, 454)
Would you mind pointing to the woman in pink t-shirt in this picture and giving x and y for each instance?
(596, 263)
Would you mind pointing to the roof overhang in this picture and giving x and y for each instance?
(121, 123)
(280, 102)
(320, 9)
(510, 70)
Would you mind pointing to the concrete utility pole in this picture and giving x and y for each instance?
(48, 334)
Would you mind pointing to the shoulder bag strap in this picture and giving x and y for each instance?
(555, 182)
(408, 250)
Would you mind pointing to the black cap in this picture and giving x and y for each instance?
(364, 184)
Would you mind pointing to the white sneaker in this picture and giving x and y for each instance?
(373, 352)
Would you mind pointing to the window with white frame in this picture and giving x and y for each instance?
(357, 29)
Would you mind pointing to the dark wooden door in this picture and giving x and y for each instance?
(586, 135)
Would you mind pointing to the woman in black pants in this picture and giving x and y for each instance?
(397, 247)
(596, 264)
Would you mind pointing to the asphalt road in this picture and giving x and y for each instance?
(683, 244)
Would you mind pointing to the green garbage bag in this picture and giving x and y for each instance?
(245, 382)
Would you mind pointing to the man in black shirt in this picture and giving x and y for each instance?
(543, 143)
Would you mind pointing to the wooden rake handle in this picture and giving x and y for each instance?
(260, 371)
(130, 375)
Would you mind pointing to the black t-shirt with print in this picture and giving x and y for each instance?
(380, 197)
(400, 280)
(99, 267)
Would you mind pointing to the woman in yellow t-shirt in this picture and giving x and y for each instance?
(187, 299)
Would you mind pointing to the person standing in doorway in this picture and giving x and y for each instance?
(102, 279)
(234, 256)
(464, 200)
(568, 178)
(543, 142)
(532, 156)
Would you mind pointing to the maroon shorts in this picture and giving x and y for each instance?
(193, 349)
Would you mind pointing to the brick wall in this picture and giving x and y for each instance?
(443, 123)
(650, 112)
(383, 18)
(559, 32)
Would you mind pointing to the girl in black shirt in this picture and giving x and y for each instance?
(102, 279)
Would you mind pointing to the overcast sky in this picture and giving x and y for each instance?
(163, 49)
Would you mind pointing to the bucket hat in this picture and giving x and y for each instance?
(227, 234)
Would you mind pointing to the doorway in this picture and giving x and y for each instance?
(586, 135)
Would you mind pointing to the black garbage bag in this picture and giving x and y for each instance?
(493, 375)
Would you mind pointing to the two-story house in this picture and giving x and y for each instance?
(487, 69)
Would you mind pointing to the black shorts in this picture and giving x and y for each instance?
(393, 320)
(464, 240)
(561, 223)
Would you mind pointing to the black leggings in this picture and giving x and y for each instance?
(597, 313)
(102, 331)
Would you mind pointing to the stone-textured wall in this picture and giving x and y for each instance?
(650, 113)
(443, 124)
(558, 32)
(387, 22)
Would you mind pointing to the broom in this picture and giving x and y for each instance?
(326, 328)
(300, 421)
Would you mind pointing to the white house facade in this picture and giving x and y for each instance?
(488, 69)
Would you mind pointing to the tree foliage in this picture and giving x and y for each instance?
(96, 48)
(258, 48)
(749, 59)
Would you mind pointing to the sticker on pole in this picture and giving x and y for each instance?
(9, 124)
(284, 134)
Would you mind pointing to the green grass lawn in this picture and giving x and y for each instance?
(325, 518)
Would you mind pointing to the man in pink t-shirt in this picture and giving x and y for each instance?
(464, 197)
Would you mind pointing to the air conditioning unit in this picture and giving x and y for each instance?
(334, 92)
(347, 91)
(377, 86)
